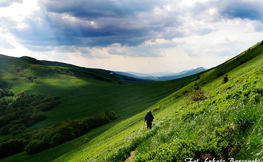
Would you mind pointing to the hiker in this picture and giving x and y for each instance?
(149, 118)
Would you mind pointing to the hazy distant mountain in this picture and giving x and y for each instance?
(163, 76)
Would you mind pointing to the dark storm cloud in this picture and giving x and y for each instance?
(231, 9)
(55, 26)
(6, 3)
(101, 23)
(100, 8)
(242, 9)
(117, 21)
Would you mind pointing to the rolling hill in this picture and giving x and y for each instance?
(212, 114)
(26, 66)
(83, 93)
(88, 91)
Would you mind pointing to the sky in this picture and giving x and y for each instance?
(144, 36)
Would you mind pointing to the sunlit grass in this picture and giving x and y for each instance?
(168, 126)
(234, 104)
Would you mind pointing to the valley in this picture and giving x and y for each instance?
(196, 115)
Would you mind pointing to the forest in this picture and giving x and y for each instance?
(21, 111)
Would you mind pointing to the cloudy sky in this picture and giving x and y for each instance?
(131, 35)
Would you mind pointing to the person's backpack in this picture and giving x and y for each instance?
(149, 116)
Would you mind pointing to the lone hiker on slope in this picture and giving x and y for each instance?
(149, 118)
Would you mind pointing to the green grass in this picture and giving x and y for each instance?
(83, 96)
(169, 127)
(234, 107)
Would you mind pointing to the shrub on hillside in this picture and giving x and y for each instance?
(66, 131)
(190, 114)
(196, 87)
(56, 140)
(38, 116)
(34, 146)
(198, 95)
(225, 79)
(110, 115)
(5, 129)
(2, 93)
(178, 150)
(217, 147)
(10, 93)
(3, 121)
(12, 146)
(185, 91)
(16, 127)
(19, 112)
(255, 98)
(96, 121)
(49, 104)
(25, 108)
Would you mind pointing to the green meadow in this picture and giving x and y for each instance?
(213, 114)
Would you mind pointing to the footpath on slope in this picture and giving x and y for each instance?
(129, 159)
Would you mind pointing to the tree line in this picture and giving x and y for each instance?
(24, 110)
(21, 111)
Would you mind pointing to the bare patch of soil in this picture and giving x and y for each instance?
(131, 157)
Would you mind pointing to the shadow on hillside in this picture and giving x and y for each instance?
(84, 100)
(88, 99)
(61, 150)
(125, 100)
(3, 83)
(56, 152)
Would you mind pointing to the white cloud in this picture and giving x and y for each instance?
(21, 26)
(224, 40)
(4, 43)
(146, 36)
(6, 3)
(190, 3)
(19, 11)
(156, 41)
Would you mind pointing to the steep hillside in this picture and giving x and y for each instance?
(212, 117)
(53, 101)
(213, 114)
(83, 91)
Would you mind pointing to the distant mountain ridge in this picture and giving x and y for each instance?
(162, 76)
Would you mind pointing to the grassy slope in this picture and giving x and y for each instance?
(84, 91)
(116, 143)
(115, 140)
(82, 94)
(124, 100)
